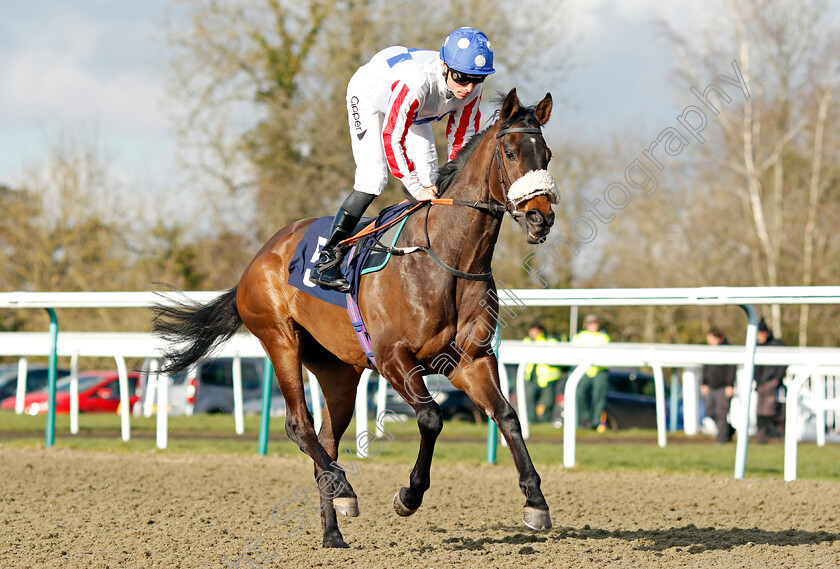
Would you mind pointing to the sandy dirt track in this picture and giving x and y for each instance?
(67, 508)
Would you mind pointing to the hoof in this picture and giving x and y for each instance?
(335, 542)
(400, 508)
(536, 519)
(346, 507)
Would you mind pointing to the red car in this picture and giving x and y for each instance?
(99, 392)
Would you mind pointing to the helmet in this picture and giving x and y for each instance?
(469, 51)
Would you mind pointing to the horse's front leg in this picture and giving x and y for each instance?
(480, 380)
(408, 382)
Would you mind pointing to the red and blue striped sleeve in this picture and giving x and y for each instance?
(399, 117)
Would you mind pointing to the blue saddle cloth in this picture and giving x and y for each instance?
(308, 252)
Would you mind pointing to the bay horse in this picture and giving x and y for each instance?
(418, 309)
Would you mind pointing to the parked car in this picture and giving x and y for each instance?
(99, 392)
(631, 401)
(36, 378)
(454, 403)
(210, 388)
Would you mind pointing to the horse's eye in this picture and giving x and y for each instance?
(509, 154)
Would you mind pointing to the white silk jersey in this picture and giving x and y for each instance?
(407, 89)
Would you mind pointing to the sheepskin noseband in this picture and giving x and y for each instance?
(533, 184)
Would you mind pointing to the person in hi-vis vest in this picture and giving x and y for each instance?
(592, 389)
(540, 380)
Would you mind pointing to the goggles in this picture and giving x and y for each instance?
(465, 78)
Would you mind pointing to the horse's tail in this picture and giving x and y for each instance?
(194, 329)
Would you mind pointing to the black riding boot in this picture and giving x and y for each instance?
(327, 271)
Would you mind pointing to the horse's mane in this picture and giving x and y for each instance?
(450, 170)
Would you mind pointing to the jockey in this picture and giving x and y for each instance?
(391, 102)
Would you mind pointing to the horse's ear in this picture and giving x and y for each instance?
(543, 110)
(510, 106)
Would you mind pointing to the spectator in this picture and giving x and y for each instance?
(540, 380)
(592, 390)
(718, 387)
(768, 380)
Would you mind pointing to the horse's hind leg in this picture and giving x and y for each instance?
(406, 376)
(338, 382)
(284, 352)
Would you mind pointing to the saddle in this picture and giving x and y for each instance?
(364, 255)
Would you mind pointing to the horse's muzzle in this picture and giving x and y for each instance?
(537, 225)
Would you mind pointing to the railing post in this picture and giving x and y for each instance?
(570, 416)
(162, 417)
(746, 391)
(792, 421)
(381, 406)
(315, 396)
(522, 402)
(51, 373)
(673, 424)
(238, 414)
(125, 398)
(268, 371)
(492, 432)
(74, 393)
(691, 399)
(361, 412)
(20, 393)
(659, 386)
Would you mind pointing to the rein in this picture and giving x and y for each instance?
(373, 228)
(494, 208)
(451, 270)
(427, 248)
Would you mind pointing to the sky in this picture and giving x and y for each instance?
(624, 70)
(93, 70)
(87, 69)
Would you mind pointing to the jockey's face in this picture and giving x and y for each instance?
(460, 91)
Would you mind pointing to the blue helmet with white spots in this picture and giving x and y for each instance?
(468, 50)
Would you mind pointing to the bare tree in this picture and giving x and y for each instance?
(816, 189)
(67, 227)
(772, 142)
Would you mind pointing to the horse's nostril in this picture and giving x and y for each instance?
(535, 216)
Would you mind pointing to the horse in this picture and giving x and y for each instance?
(420, 309)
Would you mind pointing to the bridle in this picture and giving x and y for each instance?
(496, 208)
(508, 207)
